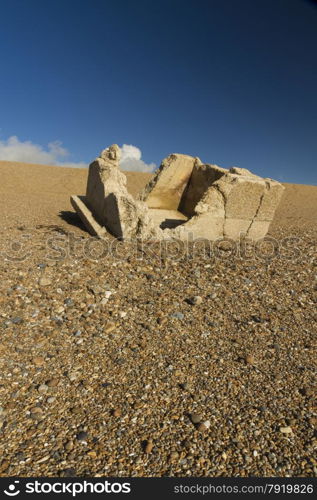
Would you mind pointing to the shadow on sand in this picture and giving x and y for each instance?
(72, 219)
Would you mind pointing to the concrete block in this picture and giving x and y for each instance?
(166, 189)
(185, 200)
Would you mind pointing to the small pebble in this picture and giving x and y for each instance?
(110, 327)
(307, 391)
(204, 426)
(38, 361)
(149, 446)
(36, 409)
(177, 315)
(82, 436)
(174, 456)
(4, 465)
(68, 302)
(184, 386)
(196, 300)
(70, 472)
(17, 320)
(196, 418)
(42, 388)
(45, 281)
(69, 445)
(250, 359)
(53, 382)
(286, 430)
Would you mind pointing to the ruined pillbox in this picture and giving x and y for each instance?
(185, 199)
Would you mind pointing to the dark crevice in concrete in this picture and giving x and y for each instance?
(224, 207)
(257, 210)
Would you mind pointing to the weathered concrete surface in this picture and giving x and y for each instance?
(167, 218)
(185, 200)
(238, 203)
(105, 178)
(201, 179)
(110, 202)
(165, 190)
(78, 203)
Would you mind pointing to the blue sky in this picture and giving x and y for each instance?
(231, 81)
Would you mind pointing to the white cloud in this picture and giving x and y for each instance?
(13, 149)
(131, 160)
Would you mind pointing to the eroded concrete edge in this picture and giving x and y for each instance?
(87, 217)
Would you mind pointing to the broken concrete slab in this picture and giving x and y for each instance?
(186, 199)
(165, 190)
(80, 205)
(198, 227)
(237, 198)
(112, 205)
(271, 198)
(167, 218)
(202, 177)
(242, 195)
(234, 228)
(258, 229)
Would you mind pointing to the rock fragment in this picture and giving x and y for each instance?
(45, 281)
(250, 359)
(196, 300)
(149, 446)
(204, 426)
(286, 430)
(196, 418)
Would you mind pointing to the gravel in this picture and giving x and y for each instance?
(109, 362)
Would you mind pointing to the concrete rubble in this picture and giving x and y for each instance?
(184, 200)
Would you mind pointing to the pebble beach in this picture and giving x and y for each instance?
(125, 359)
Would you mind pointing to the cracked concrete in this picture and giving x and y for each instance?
(111, 204)
(185, 199)
(256, 213)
